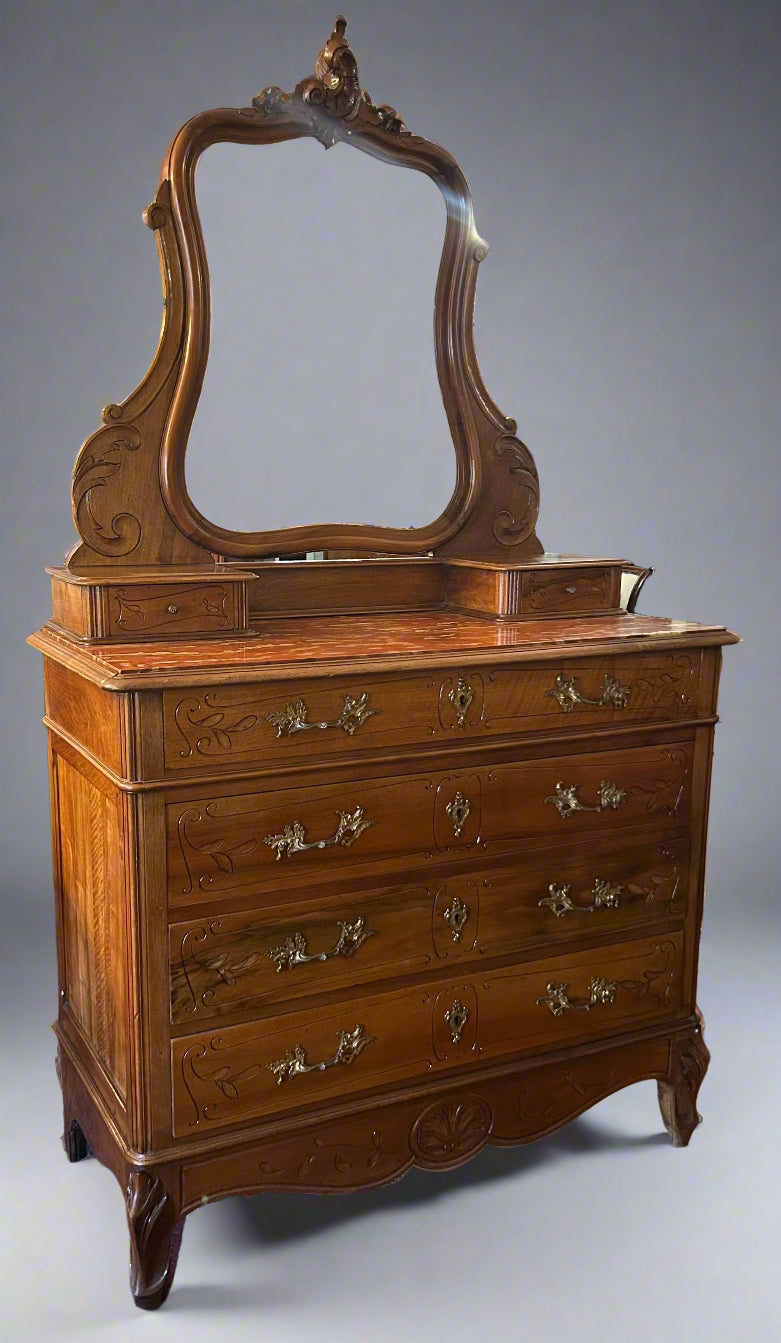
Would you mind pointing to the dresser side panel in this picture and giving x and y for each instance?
(91, 716)
(92, 852)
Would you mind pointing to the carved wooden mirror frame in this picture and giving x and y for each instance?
(130, 501)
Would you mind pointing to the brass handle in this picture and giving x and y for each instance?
(600, 993)
(565, 798)
(614, 694)
(458, 811)
(293, 718)
(292, 839)
(292, 951)
(293, 1062)
(461, 697)
(559, 902)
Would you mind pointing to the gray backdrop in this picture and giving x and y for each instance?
(624, 159)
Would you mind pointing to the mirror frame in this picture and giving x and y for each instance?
(151, 517)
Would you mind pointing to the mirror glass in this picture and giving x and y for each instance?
(321, 402)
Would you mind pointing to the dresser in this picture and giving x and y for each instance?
(361, 862)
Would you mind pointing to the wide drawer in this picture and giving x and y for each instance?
(260, 1068)
(233, 841)
(301, 720)
(254, 960)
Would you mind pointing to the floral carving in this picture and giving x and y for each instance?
(122, 533)
(207, 728)
(664, 794)
(451, 1130)
(332, 95)
(666, 685)
(510, 528)
(343, 1156)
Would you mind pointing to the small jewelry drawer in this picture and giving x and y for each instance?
(239, 963)
(263, 1067)
(230, 841)
(236, 727)
(562, 591)
(176, 609)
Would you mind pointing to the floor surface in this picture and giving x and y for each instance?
(601, 1232)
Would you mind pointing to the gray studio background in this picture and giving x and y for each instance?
(624, 159)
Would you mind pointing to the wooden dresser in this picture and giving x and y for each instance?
(359, 863)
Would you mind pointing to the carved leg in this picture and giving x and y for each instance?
(155, 1237)
(74, 1142)
(689, 1059)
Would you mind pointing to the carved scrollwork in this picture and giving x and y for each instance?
(333, 94)
(511, 526)
(120, 534)
(451, 1130)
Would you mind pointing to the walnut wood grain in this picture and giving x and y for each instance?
(218, 844)
(413, 864)
(240, 725)
(94, 933)
(222, 1079)
(234, 966)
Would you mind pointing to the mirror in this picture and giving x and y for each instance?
(320, 402)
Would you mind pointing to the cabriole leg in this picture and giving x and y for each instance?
(155, 1236)
(689, 1059)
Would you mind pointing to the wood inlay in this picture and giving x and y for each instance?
(218, 1079)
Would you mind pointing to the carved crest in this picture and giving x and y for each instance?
(334, 92)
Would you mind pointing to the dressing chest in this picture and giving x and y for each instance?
(365, 861)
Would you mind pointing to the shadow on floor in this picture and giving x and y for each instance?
(277, 1218)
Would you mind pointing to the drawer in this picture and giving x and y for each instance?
(261, 1068)
(562, 591)
(247, 962)
(189, 608)
(238, 841)
(242, 725)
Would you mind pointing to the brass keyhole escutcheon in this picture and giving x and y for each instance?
(456, 1018)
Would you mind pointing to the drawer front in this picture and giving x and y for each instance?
(237, 726)
(252, 961)
(183, 609)
(563, 591)
(236, 841)
(258, 1069)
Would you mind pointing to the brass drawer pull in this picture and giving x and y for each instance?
(292, 951)
(293, 717)
(461, 697)
(458, 811)
(600, 993)
(294, 1061)
(614, 694)
(565, 798)
(559, 902)
(293, 838)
